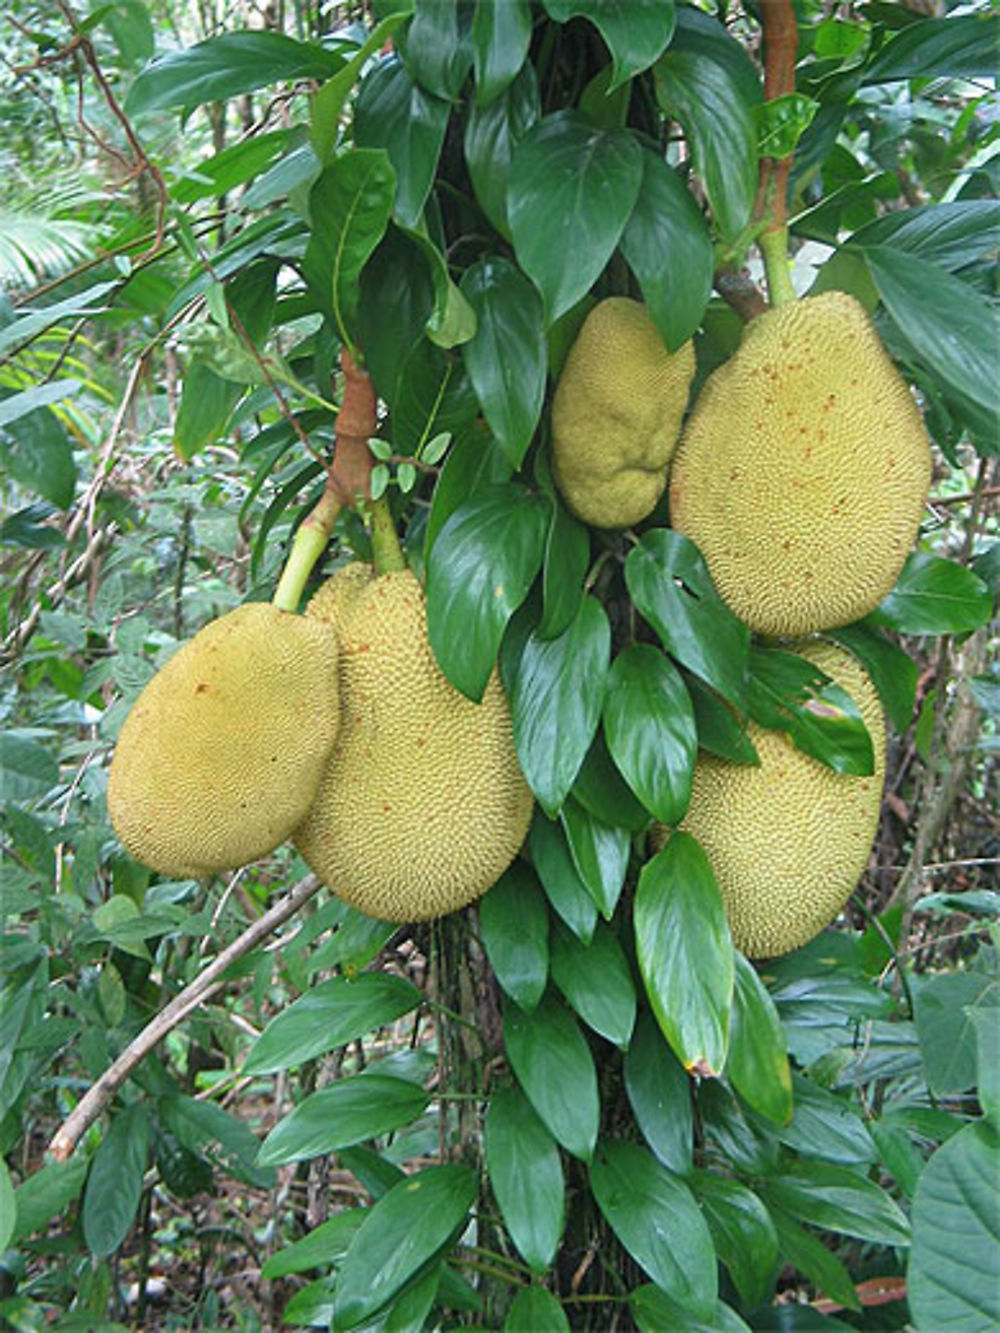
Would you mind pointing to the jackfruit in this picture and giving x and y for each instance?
(788, 840)
(422, 804)
(616, 415)
(220, 756)
(803, 470)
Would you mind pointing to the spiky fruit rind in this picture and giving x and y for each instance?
(788, 840)
(422, 805)
(220, 756)
(617, 414)
(803, 470)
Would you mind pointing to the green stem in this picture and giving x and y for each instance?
(386, 550)
(773, 244)
(308, 545)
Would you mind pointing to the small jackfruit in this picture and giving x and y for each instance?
(788, 840)
(220, 756)
(422, 804)
(803, 470)
(616, 415)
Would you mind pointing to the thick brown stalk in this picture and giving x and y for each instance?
(780, 43)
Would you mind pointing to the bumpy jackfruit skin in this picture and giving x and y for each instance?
(617, 414)
(220, 756)
(788, 840)
(803, 470)
(422, 805)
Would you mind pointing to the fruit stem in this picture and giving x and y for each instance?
(386, 551)
(308, 545)
(774, 249)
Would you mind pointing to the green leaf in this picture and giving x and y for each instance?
(46, 1193)
(347, 1112)
(986, 1022)
(600, 854)
(567, 555)
(327, 105)
(394, 114)
(742, 1231)
(604, 793)
(506, 358)
(837, 1199)
(667, 246)
(596, 981)
(814, 1261)
(934, 596)
(950, 235)
(654, 1312)
(227, 66)
(436, 47)
(566, 891)
(781, 123)
(685, 953)
(327, 1243)
(660, 1095)
(479, 571)
(114, 1185)
(636, 31)
(403, 1231)
(893, 671)
(554, 1066)
(349, 207)
(8, 1207)
(491, 135)
(27, 770)
(949, 325)
(758, 1054)
(671, 587)
(708, 82)
(330, 1015)
(822, 720)
(36, 452)
(951, 1277)
(719, 729)
(475, 463)
(514, 921)
(556, 702)
(432, 394)
(959, 48)
(14, 406)
(656, 1218)
(232, 166)
(825, 1125)
(535, 1309)
(397, 301)
(571, 190)
(650, 730)
(501, 35)
(207, 403)
(944, 1008)
(88, 302)
(452, 320)
(526, 1175)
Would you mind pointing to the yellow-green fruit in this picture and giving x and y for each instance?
(616, 415)
(788, 840)
(220, 756)
(422, 805)
(803, 470)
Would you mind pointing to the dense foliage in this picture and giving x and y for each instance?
(574, 1104)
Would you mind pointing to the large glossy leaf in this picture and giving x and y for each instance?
(707, 82)
(951, 235)
(433, 396)
(950, 326)
(604, 793)
(685, 953)
(825, 1125)
(893, 671)
(654, 1312)
(945, 1008)
(46, 1193)
(348, 1111)
(436, 46)
(327, 106)
(397, 298)
(554, 1066)
(330, 1015)
(758, 1054)
(650, 730)
(514, 922)
(635, 31)
(394, 114)
(207, 403)
(742, 1230)
(226, 66)
(474, 463)
(501, 35)
(556, 700)
(719, 729)
(822, 720)
(668, 248)
(655, 1216)
(491, 135)
(114, 1185)
(567, 555)
(526, 1174)
(962, 47)
(934, 596)
(349, 206)
(570, 193)
(660, 1095)
(566, 891)
(405, 1229)
(600, 853)
(838, 1199)
(326, 1243)
(810, 1256)
(506, 358)
(231, 167)
(8, 1207)
(670, 585)
(452, 321)
(951, 1278)
(479, 571)
(596, 980)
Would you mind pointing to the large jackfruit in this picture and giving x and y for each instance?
(616, 415)
(788, 840)
(803, 470)
(220, 756)
(422, 804)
